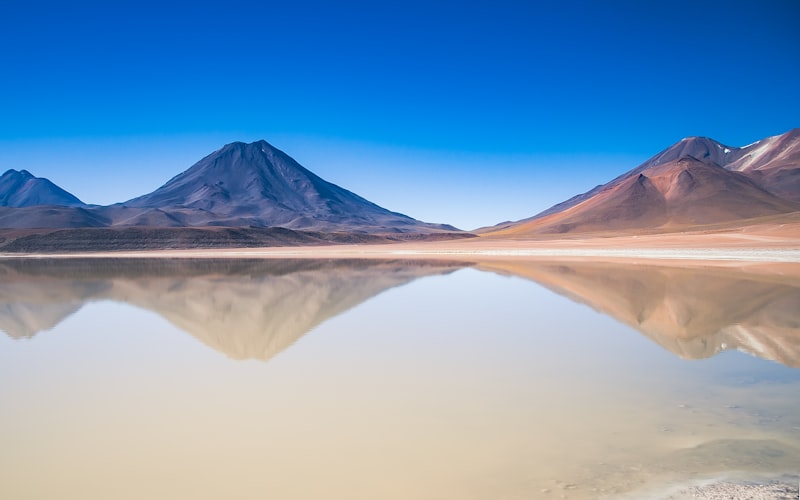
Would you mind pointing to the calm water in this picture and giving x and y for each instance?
(365, 380)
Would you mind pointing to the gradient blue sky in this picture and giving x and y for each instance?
(463, 112)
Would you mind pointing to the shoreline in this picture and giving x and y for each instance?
(436, 251)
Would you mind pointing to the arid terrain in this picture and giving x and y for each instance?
(769, 240)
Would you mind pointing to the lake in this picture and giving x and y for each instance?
(347, 379)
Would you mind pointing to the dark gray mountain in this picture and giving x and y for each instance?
(18, 188)
(258, 185)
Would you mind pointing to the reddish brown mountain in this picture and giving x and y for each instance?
(695, 182)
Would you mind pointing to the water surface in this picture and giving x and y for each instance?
(392, 379)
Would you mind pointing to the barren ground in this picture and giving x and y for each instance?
(760, 243)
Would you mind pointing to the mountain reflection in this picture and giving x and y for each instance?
(693, 312)
(253, 309)
(245, 309)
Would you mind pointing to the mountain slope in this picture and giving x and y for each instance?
(18, 188)
(774, 164)
(696, 181)
(258, 185)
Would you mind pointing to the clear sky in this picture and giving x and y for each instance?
(463, 112)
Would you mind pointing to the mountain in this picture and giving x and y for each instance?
(694, 182)
(18, 188)
(259, 185)
(27, 201)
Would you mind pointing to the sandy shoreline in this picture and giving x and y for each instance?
(459, 251)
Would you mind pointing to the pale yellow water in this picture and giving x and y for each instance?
(363, 381)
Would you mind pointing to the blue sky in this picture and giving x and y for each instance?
(462, 112)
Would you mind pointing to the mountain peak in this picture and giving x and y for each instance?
(698, 147)
(20, 188)
(18, 174)
(240, 145)
(259, 145)
(699, 139)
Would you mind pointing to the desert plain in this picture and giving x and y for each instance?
(760, 242)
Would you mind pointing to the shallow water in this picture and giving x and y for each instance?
(397, 379)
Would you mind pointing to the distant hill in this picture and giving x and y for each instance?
(19, 188)
(694, 182)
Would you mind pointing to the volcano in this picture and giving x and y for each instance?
(259, 185)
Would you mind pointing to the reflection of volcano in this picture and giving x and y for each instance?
(245, 309)
(695, 313)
